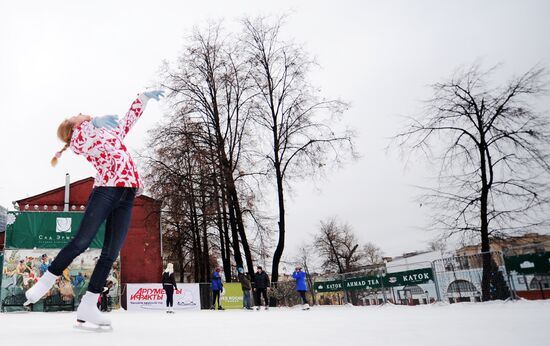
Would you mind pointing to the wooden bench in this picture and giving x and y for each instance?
(15, 301)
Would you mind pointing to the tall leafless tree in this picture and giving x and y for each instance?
(491, 146)
(211, 85)
(176, 175)
(289, 110)
(305, 258)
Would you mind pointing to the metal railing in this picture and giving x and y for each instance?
(515, 272)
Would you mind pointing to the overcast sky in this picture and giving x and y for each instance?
(59, 58)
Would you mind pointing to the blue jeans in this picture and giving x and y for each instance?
(246, 298)
(113, 204)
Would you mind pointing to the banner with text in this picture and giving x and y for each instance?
(232, 297)
(404, 278)
(45, 230)
(409, 277)
(153, 297)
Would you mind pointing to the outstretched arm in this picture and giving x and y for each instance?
(136, 109)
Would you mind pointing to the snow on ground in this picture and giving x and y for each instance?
(493, 323)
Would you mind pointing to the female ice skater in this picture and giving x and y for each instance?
(100, 141)
(169, 285)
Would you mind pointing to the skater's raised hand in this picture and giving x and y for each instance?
(107, 121)
(154, 94)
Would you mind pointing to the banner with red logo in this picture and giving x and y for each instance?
(153, 297)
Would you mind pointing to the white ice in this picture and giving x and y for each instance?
(464, 324)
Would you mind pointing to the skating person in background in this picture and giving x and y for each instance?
(104, 298)
(217, 289)
(78, 280)
(100, 141)
(169, 285)
(244, 279)
(301, 285)
(44, 264)
(261, 285)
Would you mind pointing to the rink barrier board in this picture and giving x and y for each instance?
(23, 267)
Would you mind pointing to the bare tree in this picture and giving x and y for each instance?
(288, 109)
(211, 85)
(176, 175)
(437, 245)
(373, 254)
(305, 259)
(338, 247)
(491, 147)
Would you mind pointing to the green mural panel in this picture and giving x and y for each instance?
(45, 230)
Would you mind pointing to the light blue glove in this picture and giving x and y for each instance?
(154, 94)
(107, 121)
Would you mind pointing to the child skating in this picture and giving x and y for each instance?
(117, 183)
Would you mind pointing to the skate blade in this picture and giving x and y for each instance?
(82, 325)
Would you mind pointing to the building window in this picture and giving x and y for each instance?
(461, 286)
(540, 281)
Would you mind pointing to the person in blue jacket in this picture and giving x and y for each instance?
(217, 289)
(301, 285)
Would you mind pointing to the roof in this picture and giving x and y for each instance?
(410, 262)
(61, 189)
(57, 189)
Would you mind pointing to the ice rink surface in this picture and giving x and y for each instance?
(464, 324)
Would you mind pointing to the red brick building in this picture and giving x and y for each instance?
(140, 256)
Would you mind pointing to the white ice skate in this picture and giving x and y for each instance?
(39, 289)
(88, 317)
(170, 310)
(305, 306)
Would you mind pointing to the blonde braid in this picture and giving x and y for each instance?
(58, 155)
(64, 133)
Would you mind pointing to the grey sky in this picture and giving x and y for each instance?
(58, 58)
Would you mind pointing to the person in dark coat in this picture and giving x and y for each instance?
(169, 285)
(261, 286)
(244, 279)
(217, 289)
(103, 303)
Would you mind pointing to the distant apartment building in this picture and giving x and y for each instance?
(528, 242)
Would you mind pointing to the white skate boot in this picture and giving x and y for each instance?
(87, 312)
(39, 289)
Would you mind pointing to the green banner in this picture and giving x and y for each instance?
(45, 230)
(535, 263)
(409, 277)
(328, 286)
(362, 283)
(232, 297)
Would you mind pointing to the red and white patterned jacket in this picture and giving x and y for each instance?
(105, 150)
